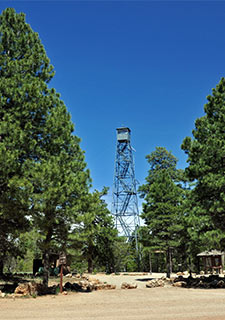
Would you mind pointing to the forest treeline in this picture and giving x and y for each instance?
(46, 205)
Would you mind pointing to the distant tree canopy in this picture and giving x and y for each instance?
(206, 158)
(95, 234)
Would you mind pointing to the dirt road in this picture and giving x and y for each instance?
(137, 304)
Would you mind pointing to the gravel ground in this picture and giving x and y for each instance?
(137, 304)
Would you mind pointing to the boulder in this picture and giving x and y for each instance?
(151, 284)
(33, 289)
(88, 286)
(126, 285)
(64, 293)
(23, 289)
(160, 283)
(68, 275)
(180, 284)
(104, 286)
(202, 272)
(221, 284)
(155, 283)
(85, 277)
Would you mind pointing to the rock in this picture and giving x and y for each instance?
(104, 286)
(88, 286)
(85, 277)
(82, 283)
(23, 289)
(221, 284)
(126, 285)
(213, 284)
(202, 272)
(155, 283)
(110, 286)
(68, 285)
(94, 280)
(180, 284)
(68, 275)
(64, 293)
(160, 283)
(31, 289)
(151, 284)
(170, 280)
(180, 278)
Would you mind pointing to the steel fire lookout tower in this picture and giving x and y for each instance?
(125, 202)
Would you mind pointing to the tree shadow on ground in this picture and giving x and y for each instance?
(145, 279)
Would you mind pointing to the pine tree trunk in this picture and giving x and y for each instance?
(46, 258)
(168, 263)
(157, 262)
(1, 267)
(90, 264)
(171, 264)
(150, 263)
(46, 269)
(190, 266)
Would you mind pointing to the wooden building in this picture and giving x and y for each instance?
(212, 261)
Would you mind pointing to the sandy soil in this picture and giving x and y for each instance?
(137, 304)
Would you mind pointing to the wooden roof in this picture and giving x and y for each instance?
(210, 253)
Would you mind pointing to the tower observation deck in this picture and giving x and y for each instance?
(125, 201)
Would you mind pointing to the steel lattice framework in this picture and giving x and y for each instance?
(125, 201)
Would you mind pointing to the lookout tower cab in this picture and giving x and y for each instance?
(123, 134)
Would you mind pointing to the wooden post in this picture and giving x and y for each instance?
(62, 262)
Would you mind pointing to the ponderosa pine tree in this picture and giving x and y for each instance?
(162, 207)
(206, 158)
(43, 172)
(24, 73)
(60, 183)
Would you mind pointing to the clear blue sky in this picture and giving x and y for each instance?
(146, 65)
